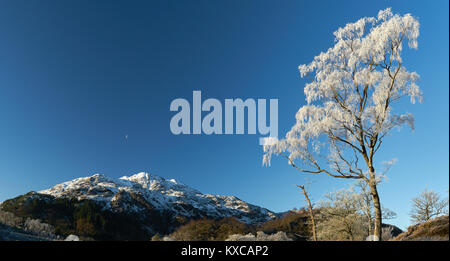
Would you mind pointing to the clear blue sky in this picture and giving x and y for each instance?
(77, 76)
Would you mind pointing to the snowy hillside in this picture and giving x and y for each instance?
(143, 191)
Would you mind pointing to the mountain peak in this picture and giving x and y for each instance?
(157, 193)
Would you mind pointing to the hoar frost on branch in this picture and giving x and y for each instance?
(352, 88)
(350, 96)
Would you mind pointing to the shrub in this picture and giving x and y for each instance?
(156, 237)
(209, 229)
(294, 224)
(35, 226)
(260, 236)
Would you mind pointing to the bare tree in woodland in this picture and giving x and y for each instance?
(9, 219)
(340, 218)
(428, 205)
(310, 209)
(365, 205)
(348, 214)
(39, 228)
(350, 98)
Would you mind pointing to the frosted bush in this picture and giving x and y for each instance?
(166, 238)
(260, 236)
(35, 226)
(239, 237)
(72, 238)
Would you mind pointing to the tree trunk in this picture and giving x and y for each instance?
(377, 208)
(369, 222)
(311, 213)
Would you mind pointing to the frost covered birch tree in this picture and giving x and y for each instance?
(352, 88)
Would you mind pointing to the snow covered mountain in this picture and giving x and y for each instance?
(143, 192)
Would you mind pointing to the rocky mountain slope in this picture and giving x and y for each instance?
(436, 229)
(133, 207)
(150, 191)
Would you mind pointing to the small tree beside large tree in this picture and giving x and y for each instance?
(352, 89)
(428, 205)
